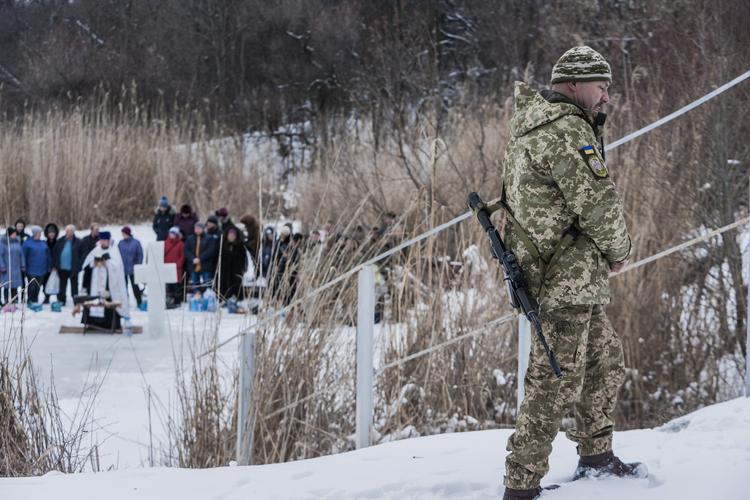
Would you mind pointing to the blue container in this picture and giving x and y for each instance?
(35, 307)
(232, 305)
(195, 304)
(56, 306)
(143, 306)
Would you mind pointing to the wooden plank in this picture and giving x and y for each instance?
(79, 329)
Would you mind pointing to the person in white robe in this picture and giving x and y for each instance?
(108, 274)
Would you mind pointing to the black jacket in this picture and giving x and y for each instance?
(209, 250)
(51, 243)
(77, 258)
(162, 223)
(88, 243)
(233, 266)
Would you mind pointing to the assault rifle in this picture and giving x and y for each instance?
(514, 281)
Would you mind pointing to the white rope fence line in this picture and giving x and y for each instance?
(466, 215)
(658, 123)
(508, 317)
(419, 354)
(627, 268)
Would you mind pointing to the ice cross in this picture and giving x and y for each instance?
(155, 274)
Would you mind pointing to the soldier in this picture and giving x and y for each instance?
(566, 226)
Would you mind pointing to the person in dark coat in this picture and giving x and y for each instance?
(21, 230)
(281, 258)
(266, 251)
(185, 221)
(233, 264)
(291, 271)
(88, 243)
(163, 219)
(252, 239)
(67, 259)
(226, 223)
(213, 231)
(51, 232)
(200, 257)
(12, 264)
(38, 262)
(174, 252)
(131, 252)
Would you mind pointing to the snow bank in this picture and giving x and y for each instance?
(700, 456)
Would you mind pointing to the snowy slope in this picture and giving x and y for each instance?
(705, 455)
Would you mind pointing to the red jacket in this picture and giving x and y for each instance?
(174, 251)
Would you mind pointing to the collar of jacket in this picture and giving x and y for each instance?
(595, 121)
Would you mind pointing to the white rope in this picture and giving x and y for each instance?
(342, 277)
(679, 112)
(682, 246)
(424, 352)
(467, 215)
(508, 317)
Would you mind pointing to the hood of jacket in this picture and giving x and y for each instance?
(51, 227)
(532, 110)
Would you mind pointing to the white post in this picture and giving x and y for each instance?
(747, 313)
(245, 421)
(747, 324)
(365, 332)
(524, 350)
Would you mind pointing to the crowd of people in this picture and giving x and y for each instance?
(214, 254)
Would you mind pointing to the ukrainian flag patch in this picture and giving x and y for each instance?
(595, 162)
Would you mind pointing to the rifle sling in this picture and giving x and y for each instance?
(547, 266)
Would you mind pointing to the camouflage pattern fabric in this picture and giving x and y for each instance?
(591, 357)
(581, 64)
(555, 176)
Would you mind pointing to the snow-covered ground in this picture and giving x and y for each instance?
(704, 455)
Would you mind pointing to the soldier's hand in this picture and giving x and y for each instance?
(616, 267)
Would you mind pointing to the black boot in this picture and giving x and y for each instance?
(607, 464)
(512, 494)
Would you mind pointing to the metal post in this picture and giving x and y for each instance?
(747, 314)
(245, 421)
(524, 349)
(365, 331)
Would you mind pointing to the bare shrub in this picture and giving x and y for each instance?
(36, 436)
(201, 428)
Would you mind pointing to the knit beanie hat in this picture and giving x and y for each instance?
(127, 230)
(163, 202)
(36, 230)
(581, 64)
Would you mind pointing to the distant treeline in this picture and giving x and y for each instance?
(260, 64)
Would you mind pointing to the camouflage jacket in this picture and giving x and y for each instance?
(555, 177)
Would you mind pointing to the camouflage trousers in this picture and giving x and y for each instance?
(591, 358)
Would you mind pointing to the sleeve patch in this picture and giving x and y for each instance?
(591, 156)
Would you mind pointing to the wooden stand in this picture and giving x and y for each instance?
(109, 325)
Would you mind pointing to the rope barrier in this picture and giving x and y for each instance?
(658, 123)
(508, 317)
